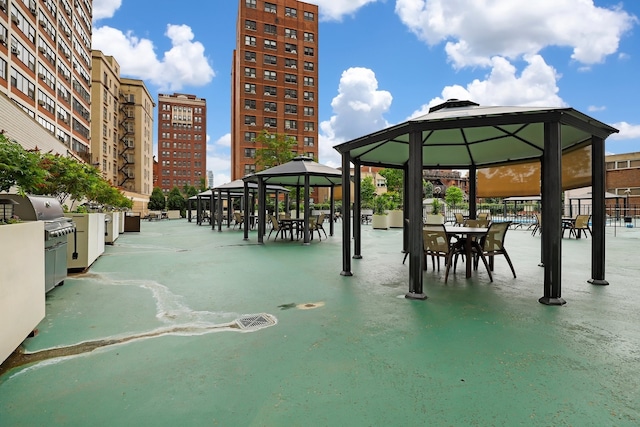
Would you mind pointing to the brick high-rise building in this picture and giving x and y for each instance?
(45, 65)
(182, 140)
(122, 126)
(274, 78)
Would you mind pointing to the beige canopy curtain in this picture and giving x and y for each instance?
(523, 179)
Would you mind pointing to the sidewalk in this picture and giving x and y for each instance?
(182, 325)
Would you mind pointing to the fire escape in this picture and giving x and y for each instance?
(127, 124)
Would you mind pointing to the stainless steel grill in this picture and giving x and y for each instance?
(56, 228)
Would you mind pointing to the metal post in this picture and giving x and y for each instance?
(346, 215)
(598, 212)
(357, 207)
(414, 168)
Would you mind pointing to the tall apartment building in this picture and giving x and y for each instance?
(182, 140)
(122, 126)
(274, 78)
(45, 65)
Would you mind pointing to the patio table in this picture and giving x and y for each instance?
(292, 223)
(471, 236)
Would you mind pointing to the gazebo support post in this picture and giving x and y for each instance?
(245, 202)
(189, 210)
(598, 212)
(297, 201)
(405, 215)
(541, 210)
(552, 214)
(276, 205)
(473, 192)
(357, 205)
(229, 209)
(307, 210)
(198, 211)
(414, 169)
(261, 211)
(346, 215)
(219, 210)
(332, 208)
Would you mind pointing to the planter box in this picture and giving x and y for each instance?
(121, 219)
(434, 219)
(380, 222)
(175, 214)
(396, 219)
(21, 283)
(88, 241)
(112, 227)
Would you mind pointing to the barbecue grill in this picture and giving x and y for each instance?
(56, 228)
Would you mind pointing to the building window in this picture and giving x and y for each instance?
(309, 126)
(292, 34)
(309, 141)
(270, 106)
(308, 37)
(290, 78)
(270, 29)
(309, 66)
(308, 96)
(250, 104)
(309, 81)
(249, 169)
(270, 122)
(249, 88)
(290, 48)
(291, 94)
(308, 51)
(250, 56)
(308, 111)
(250, 136)
(250, 25)
(290, 63)
(250, 120)
(270, 91)
(269, 7)
(290, 124)
(250, 153)
(270, 59)
(250, 4)
(289, 11)
(249, 41)
(250, 72)
(270, 75)
(309, 16)
(270, 44)
(290, 109)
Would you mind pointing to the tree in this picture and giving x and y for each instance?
(18, 167)
(453, 196)
(276, 149)
(66, 178)
(427, 188)
(157, 202)
(190, 190)
(367, 191)
(175, 200)
(395, 179)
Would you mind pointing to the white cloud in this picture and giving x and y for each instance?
(627, 131)
(224, 141)
(475, 31)
(336, 9)
(595, 108)
(358, 110)
(184, 64)
(105, 8)
(535, 86)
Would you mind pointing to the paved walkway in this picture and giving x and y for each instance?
(179, 325)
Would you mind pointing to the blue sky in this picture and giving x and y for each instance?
(384, 61)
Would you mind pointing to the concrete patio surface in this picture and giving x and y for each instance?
(179, 325)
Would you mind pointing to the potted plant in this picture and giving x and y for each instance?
(435, 217)
(380, 219)
(396, 215)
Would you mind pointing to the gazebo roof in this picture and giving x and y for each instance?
(459, 134)
(238, 185)
(293, 173)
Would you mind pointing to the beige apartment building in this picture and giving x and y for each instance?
(274, 78)
(122, 127)
(45, 65)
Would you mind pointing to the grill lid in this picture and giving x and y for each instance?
(36, 208)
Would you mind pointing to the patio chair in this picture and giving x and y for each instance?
(459, 220)
(576, 226)
(493, 244)
(319, 226)
(536, 227)
(437, 244)
(237, 219)
(278, 228)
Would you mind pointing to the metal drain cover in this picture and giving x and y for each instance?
(252, 322)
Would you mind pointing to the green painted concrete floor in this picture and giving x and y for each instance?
(149, 336)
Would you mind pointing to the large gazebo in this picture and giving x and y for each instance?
(301, 172)
(511, 148)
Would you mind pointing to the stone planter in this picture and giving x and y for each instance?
(22, 281)
(380, 222)
(434, 219)
(396, 218)
(87, 244)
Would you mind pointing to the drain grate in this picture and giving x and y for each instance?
(254, 322)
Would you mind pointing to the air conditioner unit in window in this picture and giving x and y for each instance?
(66, 54)
(293, 36)
(294, 51)
(247, 107)
(42, 76)
(15, 50)
(252, 124)
(3, 5)
(287, 96)
(33, 10)
(267, 125)
(41, 103)
(15, 19)
(43, 23)
(3, 39)
(42, 49)
(294, 67)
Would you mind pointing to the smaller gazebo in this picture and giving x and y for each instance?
(300, 172)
